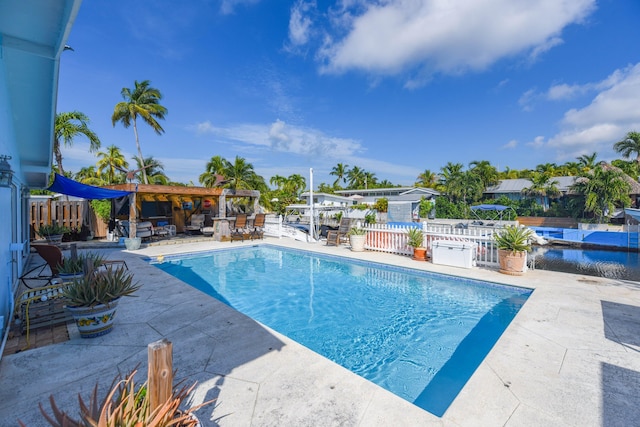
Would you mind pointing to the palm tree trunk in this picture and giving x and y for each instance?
(58, 158)
(144, 171)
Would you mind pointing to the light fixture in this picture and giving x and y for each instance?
(6, 174)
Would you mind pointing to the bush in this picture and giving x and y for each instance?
(102, 208)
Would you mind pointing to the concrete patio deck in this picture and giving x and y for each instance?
(571, 357)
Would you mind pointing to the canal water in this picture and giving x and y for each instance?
(612, 264)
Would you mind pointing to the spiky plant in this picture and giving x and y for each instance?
(100, 287)
(513, 239)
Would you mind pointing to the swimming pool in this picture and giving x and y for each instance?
(419, 335)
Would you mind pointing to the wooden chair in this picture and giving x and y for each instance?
(239, 228)
(334, 237)
(258, 227)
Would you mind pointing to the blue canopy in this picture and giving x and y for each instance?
(73, 188)
(489, 207)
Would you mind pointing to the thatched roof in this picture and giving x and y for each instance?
(635, 185)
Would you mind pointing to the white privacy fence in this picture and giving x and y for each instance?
(392, 239)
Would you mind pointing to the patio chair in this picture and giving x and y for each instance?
(52, 256)
(196, 224)
(334, 237)
(258, 227)
(239, 228)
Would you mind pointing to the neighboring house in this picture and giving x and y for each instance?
(32, 38)
(395, 194)
(326, 199)
(514, 188)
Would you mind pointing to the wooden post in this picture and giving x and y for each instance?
(133, 216)
(160, 372)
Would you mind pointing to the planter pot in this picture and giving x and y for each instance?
(512, 263)
(70, 277)
(94, 321)
(357, 242)
(132, 243)
(54, 239)
(420, 254)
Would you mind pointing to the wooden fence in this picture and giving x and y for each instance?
(72, 214)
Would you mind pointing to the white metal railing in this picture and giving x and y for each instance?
(384, 238)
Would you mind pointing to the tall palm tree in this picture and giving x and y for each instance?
(549, 169)
(629, 145)
(571, 168)
(240, 174)
(370, 180)
(355, 177)
(450, 178)
(296, 183)
(143, 101)
(112, 161)
(213, 169)
(340, 172)
(542, 186)
(68, 126)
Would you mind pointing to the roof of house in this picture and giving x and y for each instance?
(32, 37)
(517, 185)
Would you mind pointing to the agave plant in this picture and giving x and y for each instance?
(514, 239)
(127, 405)
(100, 287)
(415, 237)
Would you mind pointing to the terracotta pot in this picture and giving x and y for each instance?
(420, 254)
(512, 263)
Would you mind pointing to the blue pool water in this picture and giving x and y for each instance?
(419, 335)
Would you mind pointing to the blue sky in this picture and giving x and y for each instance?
(392, 86)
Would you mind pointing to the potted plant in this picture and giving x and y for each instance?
(513, 244)
(72, 268)
(52, 232)
(415, 239)
(128, 404)
(93, 298)
(357, 238)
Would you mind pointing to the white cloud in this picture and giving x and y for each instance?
(228, 6)
(538, 142)
(299, 23)
(612, 113)
(456, 36)
(510, 145)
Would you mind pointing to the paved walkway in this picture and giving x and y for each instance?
(571, 357)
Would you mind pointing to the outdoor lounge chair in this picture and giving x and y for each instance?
(196, 224)
(334, 237)
(258, 227)
(52, 256)
(239, 228)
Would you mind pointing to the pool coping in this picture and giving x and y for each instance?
(571, 356)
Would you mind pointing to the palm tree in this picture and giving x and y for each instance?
(355, 177)
(571, 168)
(370, 180)
(340, 172)
(295, 184)
(143, 101)
(213, 169)
(603, 189)
(587, 162)
(240, 175)
(549, 169)
(629, 145)
(427, 179)
(542, 186)
(279, 181)
(88, 175)
(450, 179)
(67, 126)
(154, 170)
(487, 173)
(111, 160)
